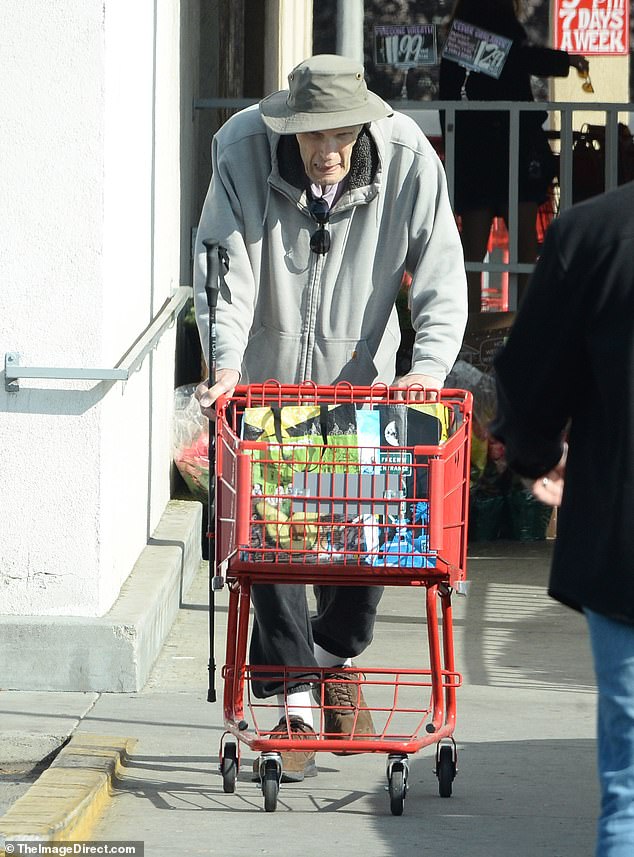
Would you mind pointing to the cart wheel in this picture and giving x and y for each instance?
(229, 767)
(270, 785)
(445, 771)
(397, 788)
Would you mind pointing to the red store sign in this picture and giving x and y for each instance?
(593, 27)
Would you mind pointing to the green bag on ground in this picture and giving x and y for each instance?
(528, 518)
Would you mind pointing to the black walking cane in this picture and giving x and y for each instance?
(217, 264)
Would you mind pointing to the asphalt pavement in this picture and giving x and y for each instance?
(144, 766)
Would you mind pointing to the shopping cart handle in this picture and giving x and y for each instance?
(436, 503)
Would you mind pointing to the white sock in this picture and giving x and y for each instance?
(327, 659)
(298, 704)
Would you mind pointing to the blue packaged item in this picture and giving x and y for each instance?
(405, 550)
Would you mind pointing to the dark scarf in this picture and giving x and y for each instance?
(364, 161)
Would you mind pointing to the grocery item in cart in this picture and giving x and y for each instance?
(369, 438)
(294, 439)
(341, 437)
(427, 425)
(408, 545)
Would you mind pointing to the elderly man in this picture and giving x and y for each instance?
(324, 197)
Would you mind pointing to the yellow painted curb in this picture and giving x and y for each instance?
(66, 800)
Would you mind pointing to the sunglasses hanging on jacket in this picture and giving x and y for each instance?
(320, 239)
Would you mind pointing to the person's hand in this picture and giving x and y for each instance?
(420, 383)
(580, 63)
(226, 381)
(549, 488)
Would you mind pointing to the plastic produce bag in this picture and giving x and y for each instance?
(190, 444)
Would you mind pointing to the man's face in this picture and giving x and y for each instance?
(326, 154)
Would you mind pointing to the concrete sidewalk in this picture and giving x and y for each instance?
(526, 784)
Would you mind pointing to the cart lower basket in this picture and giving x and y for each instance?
(346, 486)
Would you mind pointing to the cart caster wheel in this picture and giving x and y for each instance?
(445, 771)
(397, 771)
(270, 777)
(229, 768)
(397, 792)
(270, 774)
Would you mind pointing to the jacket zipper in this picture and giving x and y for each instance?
(308, 345)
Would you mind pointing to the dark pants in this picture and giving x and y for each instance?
(283, 630)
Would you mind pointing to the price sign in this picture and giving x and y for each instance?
(405, 46)
(593, 27)
(476, 49)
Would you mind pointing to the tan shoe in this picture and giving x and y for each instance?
(346, 714)
(296, 764)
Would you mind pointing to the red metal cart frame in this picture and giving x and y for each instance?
(331, 545)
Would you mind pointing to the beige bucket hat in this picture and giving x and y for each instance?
(324, 91)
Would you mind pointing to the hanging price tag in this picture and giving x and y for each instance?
(476, 49)
(404, 46)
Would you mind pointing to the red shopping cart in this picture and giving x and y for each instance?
(331, 507)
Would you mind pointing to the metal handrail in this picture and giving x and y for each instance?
(129, 363)
(565, 109)
(223, 103)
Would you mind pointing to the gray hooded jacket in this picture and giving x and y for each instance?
(292, 315)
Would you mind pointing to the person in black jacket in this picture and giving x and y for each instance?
(565, 383)
(482, 137)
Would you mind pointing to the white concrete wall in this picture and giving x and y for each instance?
(91, 235)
